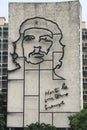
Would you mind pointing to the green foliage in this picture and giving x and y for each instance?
(1, 102)
(38, 126)
(85, 106)
(2, 121)
(79, 121)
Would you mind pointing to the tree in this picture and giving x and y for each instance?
(85, 106)
(2, 120)
(38, 126)
(1, 103)
(79, 121)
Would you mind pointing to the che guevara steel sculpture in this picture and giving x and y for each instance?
(40, 39)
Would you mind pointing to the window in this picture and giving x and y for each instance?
(0, 45)
(4, 91)
(4, 84)
(4, 71)
(0, 31)
(84, 85)
(84, 80)
(0, 78)
(0, 85)
(0, 72)
(84, 49)
(84, 61)
(5, 41)
(85, 73)
(5, 59)
(4, 65)
(0, 53)
(18, 129)
(5, 34)
(85, 97)
(84, 37)
(5, 44)
(5, 53)
(85, 56)
(4, 78)
(0, 59)
(85, 44)
(84, 68)
(85, 32)
(5, 28)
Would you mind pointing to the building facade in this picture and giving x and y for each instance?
(44, 63)
(84, 47)
(3, 62)
(3, 54)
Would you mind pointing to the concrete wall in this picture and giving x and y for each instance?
(44, 79)
(2, 21)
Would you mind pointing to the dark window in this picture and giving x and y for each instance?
(18, 129)
(4, 84)
(85, 44)
(85, 97)
(4, 71)
(4, 90)
(4, 78)
(5, 53)
(0, 59)
(84, 49)
(0, 78)
(5, 34)
(85, 73)
(5, 28)
(84, 61)
(5, 59)
(4, 65)
(0, 71)
(84, 85)
(0, 53)
(85, 56)
(86, 32)
(0, 45)
(5, 46)
(0, 33)
(84, 37)
(5, 41)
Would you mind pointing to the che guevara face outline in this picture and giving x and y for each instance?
(38, 32)
(39, 42)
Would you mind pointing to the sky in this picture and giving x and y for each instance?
(4, 6)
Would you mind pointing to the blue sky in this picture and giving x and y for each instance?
(4, 6)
